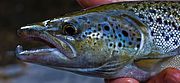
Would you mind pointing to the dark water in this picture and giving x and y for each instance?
(17, 13)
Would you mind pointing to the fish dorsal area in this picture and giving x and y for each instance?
(119, 34)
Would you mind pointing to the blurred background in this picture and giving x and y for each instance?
(17, 13)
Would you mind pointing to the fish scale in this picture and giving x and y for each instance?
(163, 23)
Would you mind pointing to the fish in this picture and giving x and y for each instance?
(125, 39)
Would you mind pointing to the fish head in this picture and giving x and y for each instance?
(83, 44)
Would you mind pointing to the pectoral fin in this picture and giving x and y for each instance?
(146, 64)
(169, 62)
(157, 55)
(158, 64)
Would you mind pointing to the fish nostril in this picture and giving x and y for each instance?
(20, 32)
(23, 32)
(30, 30)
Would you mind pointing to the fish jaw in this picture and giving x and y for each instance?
(37, 32)
(41, 56)
(61, 52)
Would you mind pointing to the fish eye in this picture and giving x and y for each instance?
(69, 29)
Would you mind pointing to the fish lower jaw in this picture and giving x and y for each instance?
(47, 53)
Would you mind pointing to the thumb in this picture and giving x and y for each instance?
(90, 3)
(169, 75)
(121, 80)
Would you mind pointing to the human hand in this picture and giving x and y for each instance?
(90, 3)
(169, 75)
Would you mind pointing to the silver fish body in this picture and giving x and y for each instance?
(129, 39)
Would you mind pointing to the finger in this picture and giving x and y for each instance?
(169, 75)
(90, 3)
(121, 80)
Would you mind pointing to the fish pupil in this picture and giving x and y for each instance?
(70, 30)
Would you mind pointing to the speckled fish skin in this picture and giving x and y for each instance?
(127, 39)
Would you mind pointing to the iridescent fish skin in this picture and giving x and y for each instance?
(128, 39)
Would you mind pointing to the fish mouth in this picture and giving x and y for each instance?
(40, 33)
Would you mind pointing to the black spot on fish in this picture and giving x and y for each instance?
(89, 37)
(94, 31)
(173, 7)
(117, 27)
(152, 33)
(99, 24)
(174, 25)
(110, 44)
(108, 36)
(99, 28)
(176, 42)
(83, 36)
(141, 16)
(86, 33)
(125, 33)
(163, 34)
(89, 32)
(159, 20)
(132, 38)
(119, 35)
(169, 29)
(169, 23)
(113, 31)
(166, 38)
(164, 10)
(95, 43)
(138, 46)
(134, 34)
(172, 35)
(114, 46)
(130, 43)
(174, 13)
(119, 44)
(89, 28)
(150, 19)
(124, 41)
(106, 28)
(98, 34)
(124, 45)
(115, 37)
(165, 22)
(138, 39)
(152, 11)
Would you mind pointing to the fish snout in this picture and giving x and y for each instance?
(29, 31)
